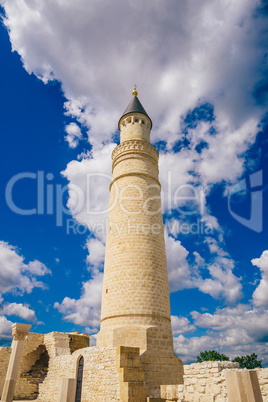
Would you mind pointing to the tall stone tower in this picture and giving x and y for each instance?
(135, 298)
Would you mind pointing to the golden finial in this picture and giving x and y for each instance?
(135, 92)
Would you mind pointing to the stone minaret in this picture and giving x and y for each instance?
(135, 298)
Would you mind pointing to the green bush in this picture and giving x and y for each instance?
(248, 361)
(211, 355)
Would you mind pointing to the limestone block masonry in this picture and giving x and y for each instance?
(100, 380)
(207, 382)
(4, 360)
(263, 380)
(37, 358)
(135, 298)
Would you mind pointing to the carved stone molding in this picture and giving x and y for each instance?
(135, 146)
(20, 331)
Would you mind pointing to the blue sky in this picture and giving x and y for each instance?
(67, 75)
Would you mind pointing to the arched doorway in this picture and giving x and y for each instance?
(79, 379)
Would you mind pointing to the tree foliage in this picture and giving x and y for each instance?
(211, 355)
(249, 361)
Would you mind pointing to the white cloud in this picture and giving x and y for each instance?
(243, 317)
(96, 252)
(214, 247)
(189, 348)
(19, 310)
(181, 325)
(182, 55)
(260, 295)
(178, 267)
(15, 274)
(73, 134)
(86, 310)
(89, 181)
(37, 268)
(233, 331)
(179, 55)
(18, 277)
(222, 282)
(5, 328)
(213, 275)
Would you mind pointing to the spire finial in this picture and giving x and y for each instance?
(135, 92)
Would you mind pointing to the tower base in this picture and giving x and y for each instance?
(160, 364)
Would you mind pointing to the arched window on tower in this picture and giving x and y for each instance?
(79, 380)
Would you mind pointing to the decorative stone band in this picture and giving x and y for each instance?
(138, 315)
(135, 145)
(20, 331)
(137, 155)
(134, 174)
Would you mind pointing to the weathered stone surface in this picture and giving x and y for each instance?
(243, 386)
(37, 351)
(19, 332)
(100, 379)
(4, 360)
(135, 298)
(67, 390)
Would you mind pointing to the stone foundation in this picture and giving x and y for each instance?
(122, 373)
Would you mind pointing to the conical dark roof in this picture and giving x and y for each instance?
(135, 106)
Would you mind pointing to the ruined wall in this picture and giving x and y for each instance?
(60, 347)
(100, 378)
(206, 382)
(110, 374)
(4, 360)
(31, 352)
(57, 343)
(263, 380)
(202, 382)
(78, 341)
(37, 350)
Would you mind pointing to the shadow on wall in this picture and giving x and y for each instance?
(38, 370)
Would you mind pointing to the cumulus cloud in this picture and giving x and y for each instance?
(222, 283)
(15, 274)
(181, 325)
(183, 56)
(213, 275)
(178, 267)
(260, 295)
(86, 310)
(88, 202)
(89, 181)
(188, 348)
(73, 134)
(5, 328)
(18, 277)
(19, 310)
(96, 252)
(179, 54)
(233, 331)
